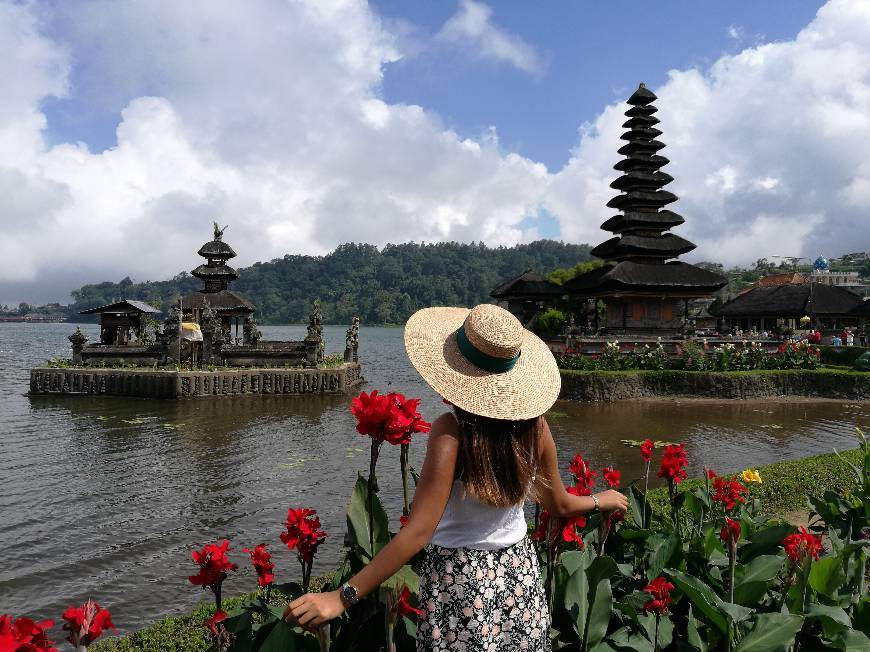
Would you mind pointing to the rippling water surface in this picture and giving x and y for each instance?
(106, 497)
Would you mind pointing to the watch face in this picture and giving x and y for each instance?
(349, 593)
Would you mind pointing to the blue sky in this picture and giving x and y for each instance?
(127, 127)
(593, 54)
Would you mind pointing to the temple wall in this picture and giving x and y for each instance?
(645, 314)
(621, 386)
(195, 384)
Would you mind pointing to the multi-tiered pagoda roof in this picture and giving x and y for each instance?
(216, 276)
(642, 254)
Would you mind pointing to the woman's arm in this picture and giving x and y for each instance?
(551, 492)
(430, 499)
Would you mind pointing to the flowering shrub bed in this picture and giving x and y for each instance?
(712, 573)
(747, 356)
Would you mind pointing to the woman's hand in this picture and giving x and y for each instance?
(313, 609)
(612, 500)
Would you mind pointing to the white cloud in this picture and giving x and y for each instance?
(268, 116)
(767, 148)
(265, 115)
(472, 25)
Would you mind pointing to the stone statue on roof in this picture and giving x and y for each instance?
(219, 232)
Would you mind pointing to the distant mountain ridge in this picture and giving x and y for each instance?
(381, 286)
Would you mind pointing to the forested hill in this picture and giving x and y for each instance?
(382, 286)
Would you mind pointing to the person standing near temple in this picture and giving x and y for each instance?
(485, 458)
(862, 336)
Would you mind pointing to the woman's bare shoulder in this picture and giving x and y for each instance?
(445, 424)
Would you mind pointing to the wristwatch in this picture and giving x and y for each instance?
(348, 594)
(597, 504)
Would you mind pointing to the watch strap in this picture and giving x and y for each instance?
(597, 504)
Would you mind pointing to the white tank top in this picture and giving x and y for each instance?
(468, 523)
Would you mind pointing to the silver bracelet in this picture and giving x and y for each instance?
(597, 504)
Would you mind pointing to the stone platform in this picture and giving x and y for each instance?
(194, 384)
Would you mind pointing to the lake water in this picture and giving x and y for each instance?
(106, 497)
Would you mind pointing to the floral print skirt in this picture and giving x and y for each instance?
(482, 600)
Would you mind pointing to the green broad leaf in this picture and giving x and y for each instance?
(693, 505)
(574, 560)
(662, 548)
(826, 576)
(862, 615)
(693, 632)
(773, 632)
(853, 641)
(736, 613)
(600, 599)
(833, 619)
(766, 541)
(280, 637)
(702, 597)
(640, 510)
(626, 637)
(358, 533)
(291, 590)
(405, 576)
(753, 579)
(602, 646)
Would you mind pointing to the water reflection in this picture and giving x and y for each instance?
(105, 497)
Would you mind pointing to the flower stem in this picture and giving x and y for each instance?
(372, 488)
(389, 620)
(645, 490)
(656, 643)
(732, 565)
(403, 460)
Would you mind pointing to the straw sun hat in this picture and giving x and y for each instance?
(483, 361)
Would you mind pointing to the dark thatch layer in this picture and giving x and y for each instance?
(222, 272)
(792, 301)
(224, 300)
(667, 245)
(526, 284)
(122, 307)
(216, 249)
(674, 277)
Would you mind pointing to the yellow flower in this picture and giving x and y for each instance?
(751, 476)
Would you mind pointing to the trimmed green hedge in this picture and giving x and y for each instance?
(785, 487)
(842, 355)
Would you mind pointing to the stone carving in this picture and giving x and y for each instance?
(351, 341)
(219, 232)
(77, 339)
(314, 339)
(250, 333)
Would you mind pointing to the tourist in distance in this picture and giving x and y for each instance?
(484, 459)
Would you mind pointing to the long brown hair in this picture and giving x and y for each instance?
(497, 458)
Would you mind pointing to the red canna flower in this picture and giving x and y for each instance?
(403, 607)
(674, 463)
(660, 596)
(612, 476)
(711, 474)
(25, 635)
(646, 449)
(403, 520)
(303, 533)
(728, 492)
(213, 565)
(581, 471)
(212, 622)
(373, 412)
(801, 546)
(730, 533)
(579, 491)
(262, 562)
(86, 623)
(405, 421)
(571, 531)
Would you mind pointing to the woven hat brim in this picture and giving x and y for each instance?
(526, 391)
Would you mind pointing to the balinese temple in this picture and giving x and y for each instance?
(527, 294)
(231, 308)
(645, 288)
